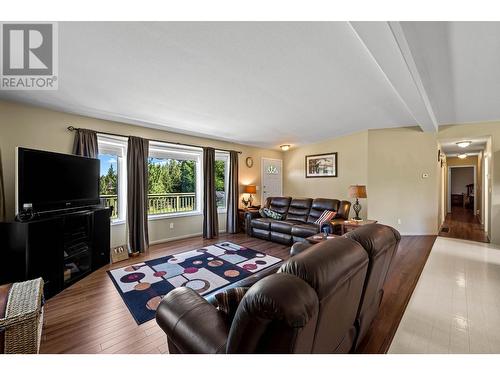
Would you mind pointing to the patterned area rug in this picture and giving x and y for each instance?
(205, 270)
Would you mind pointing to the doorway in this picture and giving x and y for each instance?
(462, 187)
(463, 200)
(272, 178)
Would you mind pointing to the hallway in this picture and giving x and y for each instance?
(461, 223)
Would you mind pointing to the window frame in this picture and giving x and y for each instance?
(114, 145)
(224, 156)
(165, 150)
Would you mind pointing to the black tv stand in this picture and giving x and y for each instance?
(61, 247)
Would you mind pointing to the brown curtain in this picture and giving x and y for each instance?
(210, 218)
(86, 143)
(3, 212)
(233, 194)
(137, 193)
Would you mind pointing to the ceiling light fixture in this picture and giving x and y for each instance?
(462, 156)
(463, 144)
(285, 147)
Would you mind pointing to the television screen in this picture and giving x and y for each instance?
(51, 181)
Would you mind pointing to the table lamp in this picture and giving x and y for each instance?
(249, 189)
(357, 191)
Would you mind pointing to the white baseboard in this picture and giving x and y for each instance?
(418, 234)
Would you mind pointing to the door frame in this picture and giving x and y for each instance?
(448, 208)
(262, 177)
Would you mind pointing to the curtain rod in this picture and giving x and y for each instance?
(72, 128)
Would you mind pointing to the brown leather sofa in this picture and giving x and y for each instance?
(299, 217)
(380, 243)
(322, 300)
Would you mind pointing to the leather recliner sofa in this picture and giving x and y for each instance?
(321, 300)
(299, 216)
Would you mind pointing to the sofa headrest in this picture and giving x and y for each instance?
(319, 205)
(301, 203)
(272, 310)
(325, 266)
(325, 204)
(278, 204)
(375, 238)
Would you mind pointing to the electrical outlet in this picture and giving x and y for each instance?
(171, 225)
(399, 221)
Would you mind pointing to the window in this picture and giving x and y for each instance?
(174, 179)
(113, 180)
(221, 179)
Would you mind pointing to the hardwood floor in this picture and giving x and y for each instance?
(463, 224)
(90, 316)
(401, 280)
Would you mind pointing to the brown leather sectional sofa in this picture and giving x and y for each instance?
(322, 300)
(299, 217)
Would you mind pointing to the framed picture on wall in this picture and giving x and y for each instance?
(321, 165)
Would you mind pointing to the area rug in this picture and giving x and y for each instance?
(205, 270)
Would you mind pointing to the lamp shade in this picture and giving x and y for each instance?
(357, 191)
(250, 189)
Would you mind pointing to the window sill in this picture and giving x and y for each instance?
(118, 222)
(169, 216)
(173, 215)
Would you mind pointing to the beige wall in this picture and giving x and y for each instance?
(391, 163)
(352, 169)
(399, 195)
(28, 126)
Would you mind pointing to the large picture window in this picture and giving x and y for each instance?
(174, 179)
(221, 179)
(113, 180)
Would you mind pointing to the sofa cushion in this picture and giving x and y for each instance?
(319, 205)
(305, 230)
(283, 226)
(283, 238)
(262, 223)
(299, 209)
(278, 204)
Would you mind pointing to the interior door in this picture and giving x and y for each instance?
(272, 178)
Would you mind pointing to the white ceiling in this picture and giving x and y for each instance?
(449, 146)
(459, 63)
(269, 83)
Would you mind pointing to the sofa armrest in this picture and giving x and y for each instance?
(299, 247)
(336, 225)
(248, 219)
(191, 323)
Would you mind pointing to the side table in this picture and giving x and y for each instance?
(241, 216)
(350, 225)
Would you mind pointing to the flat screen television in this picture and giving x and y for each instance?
(52, 181)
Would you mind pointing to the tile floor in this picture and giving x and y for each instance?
(455, 307)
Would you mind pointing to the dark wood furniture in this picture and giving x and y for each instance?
(349, 225)
(60, 248)
(457, 200)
